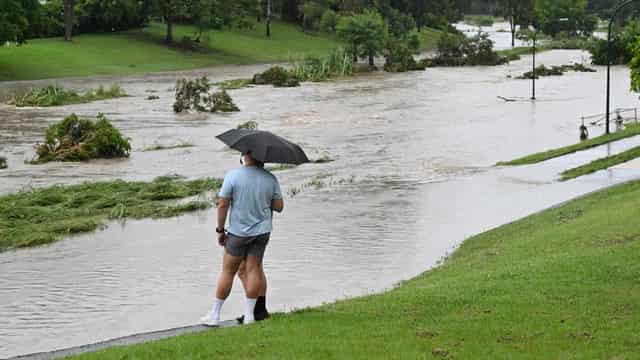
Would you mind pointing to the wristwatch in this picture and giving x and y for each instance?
(220, 231)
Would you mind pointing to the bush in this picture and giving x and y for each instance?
(276, 76)
(195, 95)
(554, 71)
(329, 21)
(621, 46)
(458, 50)
(79, 139)
(54, 95)
(338, 63)
(249, 125)
(3, 163)
(399, 54)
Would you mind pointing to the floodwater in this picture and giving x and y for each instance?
(412, 178)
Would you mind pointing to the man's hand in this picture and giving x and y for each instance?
(222, 237)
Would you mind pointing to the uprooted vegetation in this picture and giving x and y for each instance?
(196, 95)
(542, 70)
(80, 139)
(159, 147)
(459, 50)
(55, 95)
(45, 215)
(249, 125)
(276, 76)
(3, 163)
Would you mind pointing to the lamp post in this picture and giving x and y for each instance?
(533, 78)
(615, 13)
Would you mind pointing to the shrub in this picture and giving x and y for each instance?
(194, 95)
(55, 95)
(329, 21)
(79, 139)
(621, 46)
(458, 50)
(3, 162)
(399, 53)
(276, 76)
(338, 63)
(554, 71)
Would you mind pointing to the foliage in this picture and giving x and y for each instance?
(79, 139)
(16, 16)
(3, 162)
(479, 20)
(234, 84)
(635, 67)
(336, 64)
(629, 131)
(195, 95)
(517, 12)
(551, 16)
(249, 125)
(574, 266)
(312, 13)
(554, 70)
(329, 21)
(45, 215)
(399, 53)
(55, 95)
(622, 45)
(365, 34)
(458, 50)
(276, 76)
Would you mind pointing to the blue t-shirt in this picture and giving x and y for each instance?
(251, 190)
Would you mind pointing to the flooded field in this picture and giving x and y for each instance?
(412, 178)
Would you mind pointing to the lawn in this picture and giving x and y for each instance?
(143, 51)
(561, 284)
(629, 131)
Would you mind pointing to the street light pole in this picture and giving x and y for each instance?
(616, 11)
(533, 92)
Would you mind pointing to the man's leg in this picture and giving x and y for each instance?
(254, 284)
(261, 312)
(230, 266)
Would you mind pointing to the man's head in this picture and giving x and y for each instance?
(248, 160)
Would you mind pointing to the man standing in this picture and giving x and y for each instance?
(249, 194)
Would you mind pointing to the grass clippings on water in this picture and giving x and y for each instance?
(234, 84)
(42, 216)
(55, 95)
(601, 164)
(559, 284)
(629, 131)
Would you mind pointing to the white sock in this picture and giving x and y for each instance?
(217, 307)
(248, 312)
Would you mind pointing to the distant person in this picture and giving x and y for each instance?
(249, 194)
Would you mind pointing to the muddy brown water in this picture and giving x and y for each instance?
(412, 178)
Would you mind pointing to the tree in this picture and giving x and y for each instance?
(366, 33)
(555, 16)
(169, 10)
(517, 12)
(68, 19)
(16, 17)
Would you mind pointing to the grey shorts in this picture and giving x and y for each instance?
(247, 246)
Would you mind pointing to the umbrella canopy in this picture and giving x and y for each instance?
(264, 146)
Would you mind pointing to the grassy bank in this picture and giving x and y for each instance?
(629, 131)
(142, 51)
(45, 215)
(562, 284)
(601, 164)
(54, 95)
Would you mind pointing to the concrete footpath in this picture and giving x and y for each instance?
(122, 341)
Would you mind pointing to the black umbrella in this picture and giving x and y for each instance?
(264, 146)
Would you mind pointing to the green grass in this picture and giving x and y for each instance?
(143, 51)
(601, 164)
(429, 38)
(54, 95)
(561, 284)
(45, 215)
(629, 131)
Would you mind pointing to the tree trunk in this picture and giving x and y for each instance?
(513, 31)
(169, 38)
(371, 62)
(68, 19)
(268, 18)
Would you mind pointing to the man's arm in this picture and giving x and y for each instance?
(223, 209)
(277, 205)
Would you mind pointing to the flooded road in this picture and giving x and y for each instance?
(412, 178)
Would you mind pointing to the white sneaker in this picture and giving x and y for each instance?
(210, 320)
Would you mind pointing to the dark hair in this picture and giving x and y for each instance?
(259, 164)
